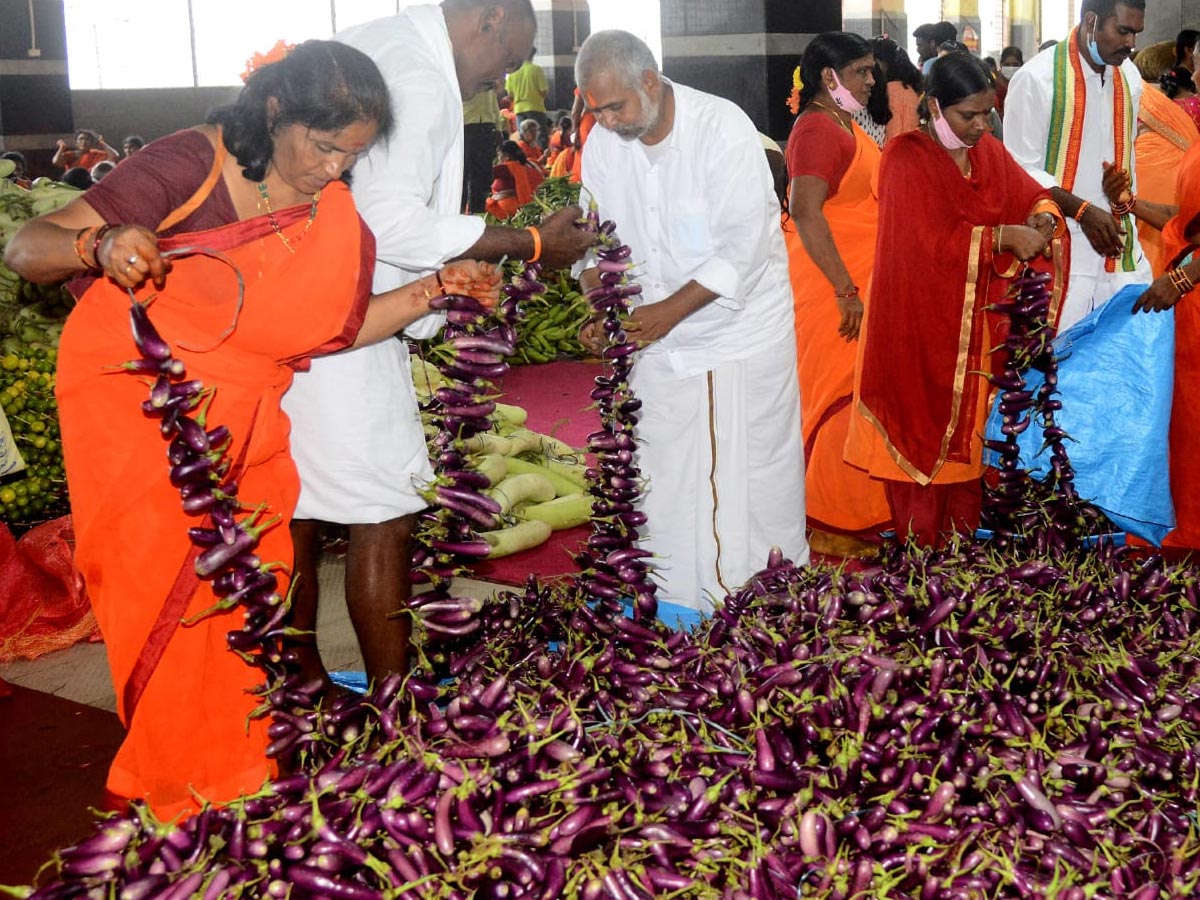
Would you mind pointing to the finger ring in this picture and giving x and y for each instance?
(132, 260)
(127, 268)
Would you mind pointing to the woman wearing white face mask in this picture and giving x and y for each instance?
(832, 164)
(957, 218)
(1011, 59)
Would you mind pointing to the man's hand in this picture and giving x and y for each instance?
(591, 336)
(563, 243)
(652, 322)
(1103, 231)
(1161, 295)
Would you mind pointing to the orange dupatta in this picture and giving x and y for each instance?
(187, 723)
(1159, 154)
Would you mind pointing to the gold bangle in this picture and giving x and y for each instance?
(999, 238)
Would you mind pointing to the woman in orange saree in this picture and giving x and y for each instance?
(832, 165)
(1181, 243)
(958, 216)
(299, 124)
(1165, 133)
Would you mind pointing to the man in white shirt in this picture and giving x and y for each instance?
(356, 431)
(1066, 148)
(683, 176)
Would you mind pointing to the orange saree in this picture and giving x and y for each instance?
(840, 498)
(1168, 133)
(1180, 240)
(186, 715)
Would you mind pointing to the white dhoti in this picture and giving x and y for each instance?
(357, 438)
(723, 455)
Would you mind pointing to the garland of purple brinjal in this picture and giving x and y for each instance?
(1009, 508)
(614, 567)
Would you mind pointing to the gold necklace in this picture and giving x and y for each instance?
(265, 194)
(835, 113)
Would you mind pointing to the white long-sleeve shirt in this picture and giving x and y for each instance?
(408, 188)
(1027, 109)
(699, 206)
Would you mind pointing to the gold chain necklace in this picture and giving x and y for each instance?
(312, 214)
(833, 112)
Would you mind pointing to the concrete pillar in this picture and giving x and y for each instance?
(562, 26)
(744, 50)
(964, 15)
(1024, 25)
(35, 97)
(871, 18)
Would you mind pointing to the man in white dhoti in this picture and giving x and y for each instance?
(683, 176)
(1070, 112)
(356, 432)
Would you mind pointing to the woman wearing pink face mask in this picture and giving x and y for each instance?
(958, 218)
(832, 166)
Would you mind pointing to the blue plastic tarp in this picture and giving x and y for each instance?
(1115, 378)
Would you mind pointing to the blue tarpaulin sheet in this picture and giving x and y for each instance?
(1115, 378)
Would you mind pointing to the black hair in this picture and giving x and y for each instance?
(1185, 41)
(953, 47)
(135, 140)
(89, 134)
(1106, 8)
(1175, 80)
(953, 78)
(830, 50)
(877, 103)
(323, 85)
(512, 150)
(1012, 50)
(77, 177)
(896, 64)
(565, 122)
(942, 32)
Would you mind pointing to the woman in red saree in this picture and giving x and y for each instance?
(262, 187)
(957, 217)
(832, 164)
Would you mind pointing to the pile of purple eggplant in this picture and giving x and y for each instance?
(965, 723)
(1052, 512)
(614, 568)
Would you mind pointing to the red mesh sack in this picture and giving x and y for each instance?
(43, 604)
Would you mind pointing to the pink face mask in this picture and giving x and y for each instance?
(945, 133)
(842, 97)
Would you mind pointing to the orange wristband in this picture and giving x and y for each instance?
(537, 243)
(1079, 212)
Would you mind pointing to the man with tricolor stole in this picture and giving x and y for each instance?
(1070, 114)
